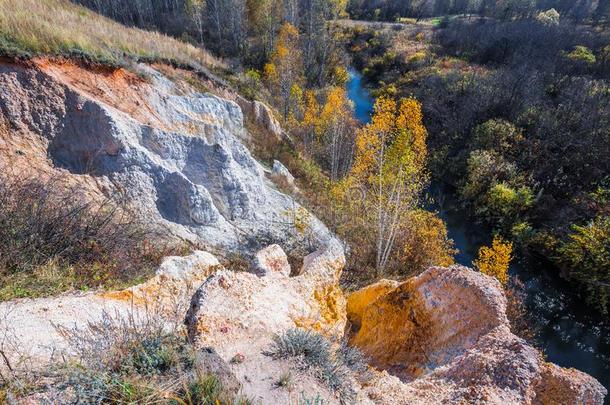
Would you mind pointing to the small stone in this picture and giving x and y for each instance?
(271, 261)
(238, 358)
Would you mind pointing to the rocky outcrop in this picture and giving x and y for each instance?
(32, 325)
(239, 313)
(262, 115)
(236, 306)
(271, 260)
(443, 337)
(280, 171)
(175, 154)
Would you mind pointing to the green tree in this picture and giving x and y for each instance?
(504, 204)
(587, 254)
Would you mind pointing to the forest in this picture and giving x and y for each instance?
(517, 113)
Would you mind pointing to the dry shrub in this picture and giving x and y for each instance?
(53, 231)
(138, 357)
(16, 376)
(521, 320)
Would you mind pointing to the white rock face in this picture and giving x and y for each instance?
(262, 115)
(282, 172)
(175, 153)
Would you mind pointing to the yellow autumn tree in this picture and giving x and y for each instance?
(494, 260)
(389, 164)
(336, 124)
(425, 242)
(284, 73)
(309, 125)
(311, 112)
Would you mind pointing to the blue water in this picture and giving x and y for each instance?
(569, 334)
(360, 96)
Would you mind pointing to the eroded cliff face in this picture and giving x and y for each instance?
(177, 155)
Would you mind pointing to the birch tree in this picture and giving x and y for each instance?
(390, 165)
(285, 70)
(336, 128)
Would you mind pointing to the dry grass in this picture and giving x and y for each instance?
(55, 237)
(58, 27)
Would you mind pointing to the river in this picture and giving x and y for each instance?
(569, 334)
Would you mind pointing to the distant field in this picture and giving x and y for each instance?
(58, 27)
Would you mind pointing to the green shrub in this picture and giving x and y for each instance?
(586, 252)
(582, 54)
(497, 135)
(522, 232)
(314, 351)
(504, 204)
(485, 168)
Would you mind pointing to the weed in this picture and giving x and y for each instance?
(285, 381)
(353, 358)
(205, 389)
(311, 347)
(305, 400)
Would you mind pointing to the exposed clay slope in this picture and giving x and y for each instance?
(443, 337)
(175, 153)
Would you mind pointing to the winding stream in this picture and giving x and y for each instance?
(570, 335)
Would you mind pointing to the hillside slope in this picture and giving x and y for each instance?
(60, 28)
(271, 330)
